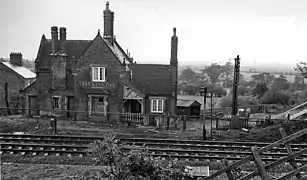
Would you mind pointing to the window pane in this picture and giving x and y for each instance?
(154, 105)
(95, 73)
(160, 105)
(101, 74)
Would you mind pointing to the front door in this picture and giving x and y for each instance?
(32, 106)
(70, 106)
(98, 105)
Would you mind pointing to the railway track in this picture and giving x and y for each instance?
(58, 145)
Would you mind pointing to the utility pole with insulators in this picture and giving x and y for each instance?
(236, 81)
(204, 91)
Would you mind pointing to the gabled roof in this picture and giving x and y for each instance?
(74, 49)
(119, 52)
(187, 103)
(20, 70)
(152, 79)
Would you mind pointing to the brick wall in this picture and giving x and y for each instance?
(15, 83)
(100, 54)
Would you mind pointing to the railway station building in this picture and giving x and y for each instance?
(96, 79)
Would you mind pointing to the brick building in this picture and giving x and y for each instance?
(15, 75)
(97, 76)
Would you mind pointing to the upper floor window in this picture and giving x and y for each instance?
(157, 105)
(98, 74)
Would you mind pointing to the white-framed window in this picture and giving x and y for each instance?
(56, 102)
(157, 105)
(99, 74)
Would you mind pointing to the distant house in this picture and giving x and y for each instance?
(15, 75)
(98, 79)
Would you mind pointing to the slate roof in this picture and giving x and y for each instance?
(76, 48)
(20, 70)
(154, 79)
(187, 103)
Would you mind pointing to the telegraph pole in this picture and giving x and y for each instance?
(204, 91)
(236, 80)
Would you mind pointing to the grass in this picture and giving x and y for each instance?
(71, 168)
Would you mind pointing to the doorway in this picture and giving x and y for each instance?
(70, 107)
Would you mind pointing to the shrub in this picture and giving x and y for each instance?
(132, 162)
(219, 91)
(275, 97)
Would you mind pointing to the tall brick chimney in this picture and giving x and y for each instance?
(174, 71)
(16, 59)
(108, 18)
(55, 39)
(62, 39)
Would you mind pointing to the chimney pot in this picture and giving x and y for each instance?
(62, 39)
(54, 36)
(108, 16)
(16, 59)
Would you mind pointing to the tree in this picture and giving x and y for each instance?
(301, 68)
(298, 82)
(266, 78)
(219, 91)
(243, 90)
(228, 71)
(280, 83)
(187, 75)
(125, 162)
(191, 88)
(276, 97)
(260, 89)
(214, 71)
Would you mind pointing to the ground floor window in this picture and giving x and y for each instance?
(157, 105)
(56, 102)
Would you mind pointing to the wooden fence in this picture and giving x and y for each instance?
(153, 120)
(262, 169)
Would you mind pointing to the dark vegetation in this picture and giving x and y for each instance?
(263, 88)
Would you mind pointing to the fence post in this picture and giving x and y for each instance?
(229, 173)
(260, 165)
(185, 119)
(289, 150)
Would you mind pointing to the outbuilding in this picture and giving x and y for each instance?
(188, 107)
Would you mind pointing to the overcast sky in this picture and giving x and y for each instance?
(260, 31)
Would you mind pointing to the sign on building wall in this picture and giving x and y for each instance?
(102, 85)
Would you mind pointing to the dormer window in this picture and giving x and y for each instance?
(98, 74)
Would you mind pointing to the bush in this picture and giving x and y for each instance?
(276, 97)
(242, 101)
(132, 163)
(219, 91)
(226, 101)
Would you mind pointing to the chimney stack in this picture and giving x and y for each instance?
(62, 39)
(108, 16)
(16, 59)
(174, 48)
(174, 71)
(54, 36)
